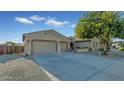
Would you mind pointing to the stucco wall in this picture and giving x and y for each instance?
(27, 47)
(88, 43)
(83, 44)
(45, 36)
(95, 40)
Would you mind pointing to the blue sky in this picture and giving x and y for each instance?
(14, 24)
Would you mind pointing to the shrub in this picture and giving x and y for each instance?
(103, 51)
(121, 49)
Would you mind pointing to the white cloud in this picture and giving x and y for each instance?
(66, 22)
(2, 42)
(37, 18)
(51, 21)
(23, 20)
(73, 25)
(56, 23)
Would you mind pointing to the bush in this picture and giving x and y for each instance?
(103, 51)
(121, 49)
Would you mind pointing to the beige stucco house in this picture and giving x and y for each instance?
(50, 41)
(46, 41)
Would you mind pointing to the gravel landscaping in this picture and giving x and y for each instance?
(22, 70)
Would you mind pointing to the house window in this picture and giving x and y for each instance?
(94, 44)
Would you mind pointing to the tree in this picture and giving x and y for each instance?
(102, 25)
(10, 43)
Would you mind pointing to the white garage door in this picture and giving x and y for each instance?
(64, 46)
(40, 47)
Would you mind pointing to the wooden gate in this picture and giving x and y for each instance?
(1, 50)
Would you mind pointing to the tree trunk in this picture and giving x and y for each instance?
(107, 48)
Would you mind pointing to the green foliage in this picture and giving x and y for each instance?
(121, 49)
(10, 43)
(103, 51)
(102, 25)
(122, 45)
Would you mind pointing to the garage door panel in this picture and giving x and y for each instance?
(40, 47)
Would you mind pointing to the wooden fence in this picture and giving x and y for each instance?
(5, 49)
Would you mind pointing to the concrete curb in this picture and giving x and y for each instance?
(52, 77)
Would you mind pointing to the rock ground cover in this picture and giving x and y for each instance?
(22, 70)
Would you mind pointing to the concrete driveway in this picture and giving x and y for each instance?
(81, 66)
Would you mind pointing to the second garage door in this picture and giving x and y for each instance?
(40, 47)
(64, 46)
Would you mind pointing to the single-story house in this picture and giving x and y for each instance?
(117, 43)
(46, 41)
(85, 45)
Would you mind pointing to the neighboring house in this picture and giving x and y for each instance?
(117, 43)
(87, 45)
(46, 41)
